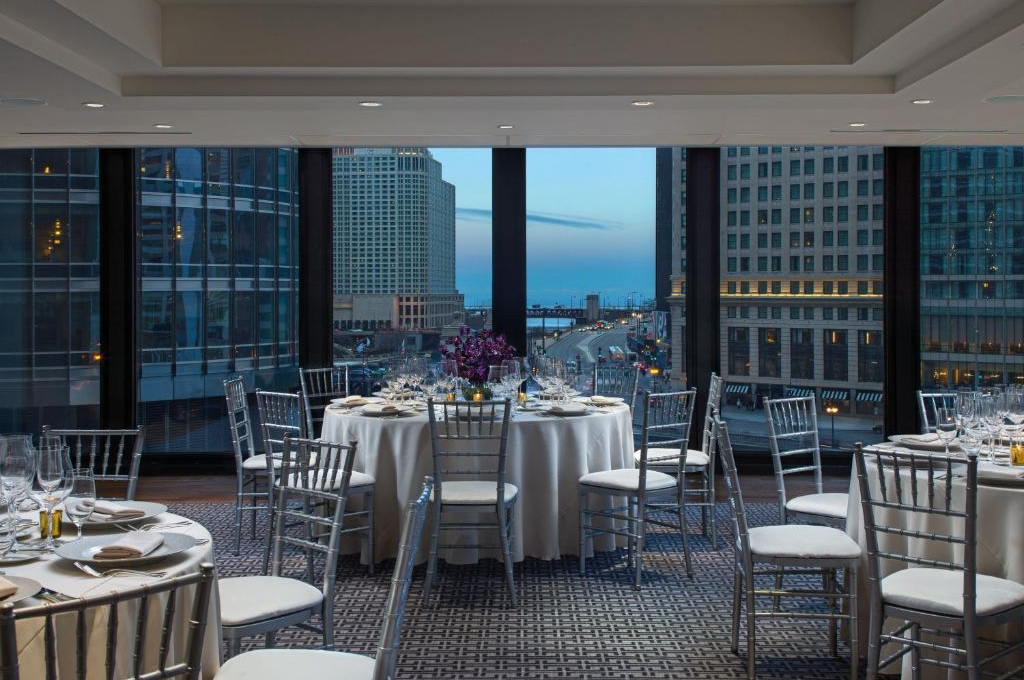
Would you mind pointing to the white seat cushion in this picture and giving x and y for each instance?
(942, 591)
(474, 492)
(664, 457)
(824, 504)
(258, 462)
(628, 480)
(275, 664)
(802, 540)
(247, 599)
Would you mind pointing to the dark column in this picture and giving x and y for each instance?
(118, 376)
(664, 184)
(902, 303)
(508, 245)
(316, 310)
(703, 196)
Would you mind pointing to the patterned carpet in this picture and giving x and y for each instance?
(566, 626)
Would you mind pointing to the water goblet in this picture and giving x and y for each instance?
(52, 482)
(81, 500)
(946, 426)
(494, 375)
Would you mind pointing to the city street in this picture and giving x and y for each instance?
(587, 343)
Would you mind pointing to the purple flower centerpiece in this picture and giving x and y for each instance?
(476, 352)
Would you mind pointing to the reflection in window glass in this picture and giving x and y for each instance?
(972, 266)
(808, 275)
(49, 257)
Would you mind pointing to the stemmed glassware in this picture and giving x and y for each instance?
(511, 377)
(53, 482)
(946, 425)
(17, 467)
(988, 415)
(8, 527)
(82, 498)
(431, 382)
(494, 381)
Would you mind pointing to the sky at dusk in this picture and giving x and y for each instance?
(590, 223)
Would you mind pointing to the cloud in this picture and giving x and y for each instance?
(553, 219)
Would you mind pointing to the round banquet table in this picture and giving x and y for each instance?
(61, 576)
(1000, 549)
(546, 457)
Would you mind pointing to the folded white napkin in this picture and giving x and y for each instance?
(350, 400)
(131, 544)
(6, 588)
(568, 409)
(1000, 473)
(380, 409)
(108, 510)
(598, 399)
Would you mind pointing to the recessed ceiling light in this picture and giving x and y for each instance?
(162, 126)
(857, 124)
(22, 101)
(920, 101)
(1006, 99)
(370, 104)
(93, 105)
(642, 102)
(505, 126)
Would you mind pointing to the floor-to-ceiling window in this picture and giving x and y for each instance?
(49, 288)
(972, 266)
(801, 286)
(411, 251)
(590, 259)
(218, 285)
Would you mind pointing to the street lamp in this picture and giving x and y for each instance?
(831, 408)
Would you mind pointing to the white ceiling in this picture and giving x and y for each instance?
(563, 72)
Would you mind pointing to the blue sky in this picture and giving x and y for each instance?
(590, 222)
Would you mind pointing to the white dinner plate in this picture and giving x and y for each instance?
(915, 442)
(362, 401)
(569, 411)
(85, 550)
(149, 509)
(399, 411)
(26, 589)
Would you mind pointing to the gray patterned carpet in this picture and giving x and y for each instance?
(566, 626)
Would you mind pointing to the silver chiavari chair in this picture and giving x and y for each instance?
(911, 508)
(665, 421)
(273, 664)
(315, 480)
(281, 416)
(319, 386)
(793, 424)
(614, 381)
(144, 659)
(250, 467)
(928, 404)
(469, 442)
(796, 548)
(700, 462)
(112, 455)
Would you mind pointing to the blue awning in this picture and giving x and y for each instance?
(868, 395)
(799, 392)
(835, 395)
(733, 388)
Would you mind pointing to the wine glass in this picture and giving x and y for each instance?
(81, 499)
(510, 376)
(394, 379)
(988, 417)
(965, 406)
(8, 527)
(494, 382)
(52, 481)
(449, 368)
(946, 425)
(430, 383)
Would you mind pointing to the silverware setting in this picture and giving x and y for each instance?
(82, 566)
(154, 526)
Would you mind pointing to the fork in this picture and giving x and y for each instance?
(154, 526)
(117, 572)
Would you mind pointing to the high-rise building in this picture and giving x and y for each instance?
(217, 254)
(394, 241)
(801, 274)
(972, 266)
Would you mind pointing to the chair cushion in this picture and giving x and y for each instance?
(942, 591)
(358, 479)
(258, 462)
(665, 457)
(474, 492)
(274, 664)
(628, 479)
(802, 540)
(247, 599)
(825, 504)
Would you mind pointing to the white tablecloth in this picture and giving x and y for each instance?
(546, 457)
(63, 577)
(1000, 549)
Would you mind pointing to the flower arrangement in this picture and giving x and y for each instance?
(476, 352)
